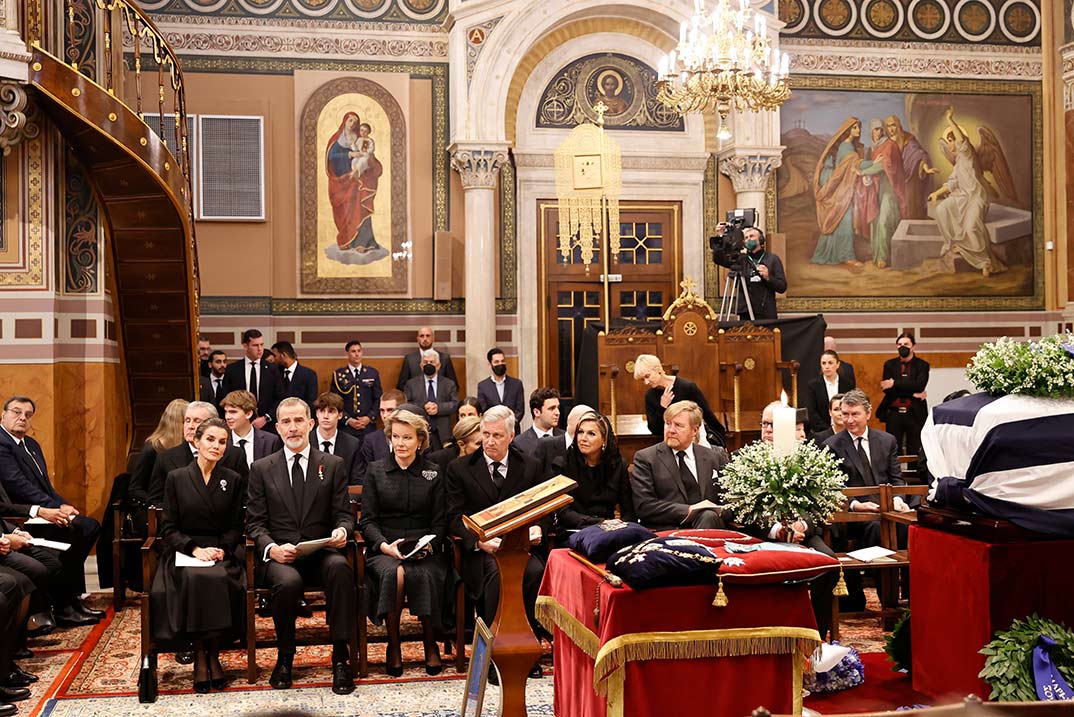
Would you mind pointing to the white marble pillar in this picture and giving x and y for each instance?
(749, 169)
(478, 164)
(14, 57)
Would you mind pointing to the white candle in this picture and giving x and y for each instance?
(783, 433)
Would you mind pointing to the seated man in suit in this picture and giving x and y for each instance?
(14, 604)
(835, 413)
(359, 387)
(411, 367)
(25, 480)
(544, 410)
(239, 408)
(487, 476)
(819, 391)
(256, 375)
(295, 495)
(375, 447)
(298, 381)
(437, 396)
(499, 389)
(674, 482)
(330, 439)
(550, 448)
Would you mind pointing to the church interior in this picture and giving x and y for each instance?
(347, 226)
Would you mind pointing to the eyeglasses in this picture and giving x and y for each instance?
(767, 424)
(18, 412)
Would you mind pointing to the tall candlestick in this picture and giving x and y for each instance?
(783, 438)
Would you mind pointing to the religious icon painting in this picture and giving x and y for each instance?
(899, 194)
(353, 190)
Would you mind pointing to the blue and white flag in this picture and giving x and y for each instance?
(1010, 457)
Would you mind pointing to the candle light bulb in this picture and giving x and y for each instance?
(683, 27)
(785, 65)
(663, 67)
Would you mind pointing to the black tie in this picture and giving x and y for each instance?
(497, 479)
(298, 481)
(431, 393)
(253, 379)
(242, 445)
(36, 464)
(287, 378)
(327, 447)
(216, 389)
(867, 469)
(689, 482)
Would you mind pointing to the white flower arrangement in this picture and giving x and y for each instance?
(762, 487)
(1042, 368)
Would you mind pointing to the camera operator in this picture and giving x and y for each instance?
(763, 272)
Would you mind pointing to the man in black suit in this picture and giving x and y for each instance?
(411, 367)
(674, 482)
(819, 391)
(359, 387)
(438, 397)
(239, 407)
(500, 389)
(182, 455)
(298, 381)
(296, 495)
(217, 367)
(375, 447)
(256, 375)
(846, 369)
(14, 604)
(485, 477)
(835, 411)
(25, 479)
(204, 350)
(544, 410)
(331, 440)
(904, 410)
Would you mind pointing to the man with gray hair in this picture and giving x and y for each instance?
(487, 476)
(436, 395)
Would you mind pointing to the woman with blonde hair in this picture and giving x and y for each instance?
(168, 435)
(467, 439)
(402, 502)
(665, 390)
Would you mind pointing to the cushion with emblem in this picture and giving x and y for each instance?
(710, 537)
(662, 562)
(599, 541)
(767, 562)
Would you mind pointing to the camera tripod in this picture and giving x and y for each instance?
(729, 299)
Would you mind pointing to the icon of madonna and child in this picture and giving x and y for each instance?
(353, 174)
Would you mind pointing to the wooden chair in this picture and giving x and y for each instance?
(120, 547)
(150, 646)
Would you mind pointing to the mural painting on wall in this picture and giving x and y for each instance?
(899, 199)
(353, 190)
(626, 86)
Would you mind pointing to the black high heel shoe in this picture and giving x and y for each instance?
(201, 666)
(433, 670)
(215, 668)
(393, 670)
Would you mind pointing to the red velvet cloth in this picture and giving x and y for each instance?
(963, 590)
(717, 686)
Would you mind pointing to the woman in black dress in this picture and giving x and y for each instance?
(169, 434)
(665, 390)
(594, 461)
(403, 500)
(203, 519)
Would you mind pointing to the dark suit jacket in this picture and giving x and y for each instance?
(271, 513)
(23, 482)
(197, 515)
(915, 381)
(205, 390)
(883, 459)
(659, 497)
(265, 443)
(513, 396)
(527, 440)
(374, 448)
(470, 489)
(269, 386)
(846, 370)
(303, 384)
(447, 402)
(816, 400)
(548, 450)
(214, 397)
(180, 456)
(347, 447)
(412, 367)
(821, 436)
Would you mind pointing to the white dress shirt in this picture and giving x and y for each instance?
(831, 386)
(499, 383)
(246, 370)
(321, 440)
(248, 447)
(303, 462)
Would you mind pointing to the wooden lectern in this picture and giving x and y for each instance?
(514, 647)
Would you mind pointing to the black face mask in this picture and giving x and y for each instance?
(904, 351)
(428, 369)
(500, 369)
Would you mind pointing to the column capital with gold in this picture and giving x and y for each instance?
(478, 163)
(749, 168)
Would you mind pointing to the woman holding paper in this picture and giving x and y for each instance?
(594, 461)
(202, 527)
(402, 507)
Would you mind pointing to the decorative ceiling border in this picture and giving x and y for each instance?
(270, 306)
(386, 11)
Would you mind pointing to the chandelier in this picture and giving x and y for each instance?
(724, 60)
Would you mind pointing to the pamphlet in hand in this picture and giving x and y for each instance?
(308, 547)
(417, 546)
(182, 560)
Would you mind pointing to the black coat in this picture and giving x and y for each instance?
(816, 400)
(303, 384)
(601, 489)
(548, 450)
(265, 443)
(883, 460)
(659, 496)
(528, 439)
(179, 457)
(684, 391)
(26, 479)
(269, 388)
(346, 447)
(514, 396)
(374, 448)
(200, 515)
(411, 368)
(915, 381)
(398, 503)
(447, 403)
(763, 291)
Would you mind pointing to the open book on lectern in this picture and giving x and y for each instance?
(522, 509)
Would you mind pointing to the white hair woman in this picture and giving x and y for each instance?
(665, 390)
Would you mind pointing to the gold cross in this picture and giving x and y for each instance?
(600, 108)
(688, 285)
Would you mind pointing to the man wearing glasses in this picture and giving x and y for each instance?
(28, 490)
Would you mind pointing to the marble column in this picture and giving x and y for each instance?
(749, 169)
(14, 57)
(478, 165)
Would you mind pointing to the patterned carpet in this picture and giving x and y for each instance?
(93, 671)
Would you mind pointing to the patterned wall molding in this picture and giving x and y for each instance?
(991, 22)
(80, 39)
(80, 250)
(385, 11)
(280, 306)
(476, 38)
(28, 270)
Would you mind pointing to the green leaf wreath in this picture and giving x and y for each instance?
(761, 487)
(1042, 368)
(1009, 658)
(897, 644)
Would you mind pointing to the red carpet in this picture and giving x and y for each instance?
(882, 690)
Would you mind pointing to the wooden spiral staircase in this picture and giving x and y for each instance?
(140, 174)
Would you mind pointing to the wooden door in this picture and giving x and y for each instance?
(649, 262)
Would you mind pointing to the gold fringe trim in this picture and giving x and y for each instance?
(840, 589)
(616, 700)
(796, 682)
(698, 644)
(551, 614)
(721, 597)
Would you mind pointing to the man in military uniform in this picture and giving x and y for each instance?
(359, 387)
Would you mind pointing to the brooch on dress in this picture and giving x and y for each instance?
(428, 475)
(223, 485)
(320, 472)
